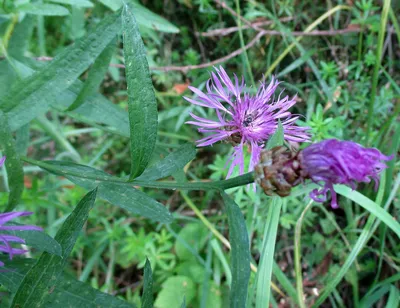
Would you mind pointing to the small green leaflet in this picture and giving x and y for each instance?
(147, 297)
(43, 9)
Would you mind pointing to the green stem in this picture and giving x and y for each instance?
(10, 30)
(297, 254)
(381, 36)
(242, 44)
(217, 185)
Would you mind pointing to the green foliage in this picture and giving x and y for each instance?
(167, 238)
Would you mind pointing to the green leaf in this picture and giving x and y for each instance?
(112, 189)
(77, 3)
(35, 94)
(96, 75)
(174, 290)
(144, 17)
(370, 206)
(264, 272)
(240, 253)
(142, 104)
(394, 297)
(20, 38)
(277, 138)
(297, 63)
(193, 235)
(70, 292)
(13, 164)
(147, 297)
(37, 239)
(151, 20)
(43, 276)
(43, 9)
(170, 164)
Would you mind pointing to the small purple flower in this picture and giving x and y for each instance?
(244, 119)
(340, 162)
(7, 239)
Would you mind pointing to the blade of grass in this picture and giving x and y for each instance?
(375, 76)
(297, 257)
(264, 273)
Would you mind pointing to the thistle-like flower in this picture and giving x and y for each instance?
(326, 163)
(340, 162)
(244, 119)
(7, 239)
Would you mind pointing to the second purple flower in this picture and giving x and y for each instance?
(244, 119)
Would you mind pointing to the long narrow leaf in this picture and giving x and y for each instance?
(265, 267)
(13, 164)
(147, 297)
(34, 95)
(240, 252)
(43, 276)
(142, 104)
(96, 75)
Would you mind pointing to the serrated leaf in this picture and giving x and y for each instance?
(277, 138)
(77, 3)
(142, 104)
(96, 76)
(110, 188)
(240, 253)
(44, 275)
(69, 292)
(43, 9)
(35, 94)
(147, 297)
(37, 239)
(15, 171)
(170, 164)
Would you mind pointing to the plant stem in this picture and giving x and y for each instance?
(217, 185)
(378, 56)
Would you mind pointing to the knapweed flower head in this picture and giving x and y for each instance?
(326, 163)
(7, 239)
(340, 162)
(244, 119)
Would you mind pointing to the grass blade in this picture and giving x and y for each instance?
(265, 267)
(240, 250)
(142, 104)
(45, 273)
(370, 206)
(13, 164)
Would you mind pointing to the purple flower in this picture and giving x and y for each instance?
(340, 162)
(244, 119)
(7, 239)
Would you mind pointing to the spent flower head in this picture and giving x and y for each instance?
(7, 239)
(244, 119)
